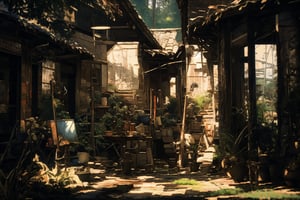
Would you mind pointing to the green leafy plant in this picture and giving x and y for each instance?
(13, 183)
(202, 101)
(171, 107)
(234, 148)
(168, 120)
(234, 144)
(227, 191)
(234, 151)
(108, 120)
(84, 144)
(61, 113)
(84, 139)
(51, 13)
(117, 113)
(15, 179)
(55, 177)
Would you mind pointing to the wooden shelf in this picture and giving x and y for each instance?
(101, 107)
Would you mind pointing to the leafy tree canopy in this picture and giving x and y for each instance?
(158, 13)
(50, 13)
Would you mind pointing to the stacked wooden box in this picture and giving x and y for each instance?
(138, 153)
(169, 144)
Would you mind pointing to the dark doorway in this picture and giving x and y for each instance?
(68, 80)
(10, 66)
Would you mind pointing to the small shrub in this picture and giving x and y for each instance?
(202, 101)
(186, 181)
(227, 191)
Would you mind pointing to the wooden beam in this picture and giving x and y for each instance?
(181, 153)
(252, 147)
(240, 39)
(26, 80)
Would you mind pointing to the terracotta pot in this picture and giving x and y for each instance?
(83, 157)
(126, 125)
(104, 101)
(108, 133)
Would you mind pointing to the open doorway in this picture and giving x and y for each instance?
(266, 88)
(266, 83)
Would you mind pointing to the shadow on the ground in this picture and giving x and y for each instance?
(128, 182)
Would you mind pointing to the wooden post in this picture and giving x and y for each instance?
(52, 85)
(154, 107)
(252, 149)
(53, 125)
(150, 105)
(92, 136)
(26, 80)
(182, 134)
(92, 95)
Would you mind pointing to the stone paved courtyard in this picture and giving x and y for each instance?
(157, 185)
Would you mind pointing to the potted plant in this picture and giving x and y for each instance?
(266, 140)
(292, 170)
(194, 165)
(108, 120)
(115, 117)
(83, 148)
(235, 155)
(292, 173)
(275, 158)
(113, 123)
